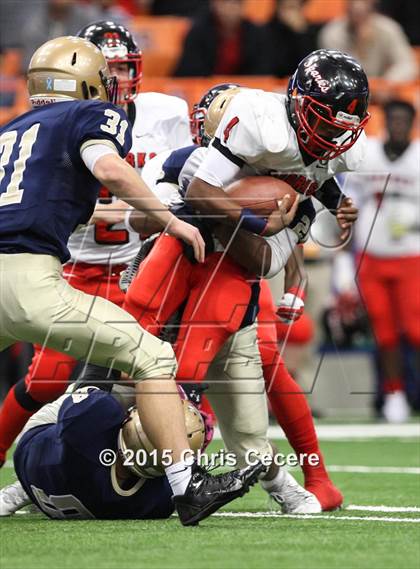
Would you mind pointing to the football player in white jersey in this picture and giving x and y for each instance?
(387, 240)
(102, 249)
(207, 289)
(305, 138)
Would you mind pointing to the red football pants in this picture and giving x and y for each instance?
(390, 289)
(217, 294)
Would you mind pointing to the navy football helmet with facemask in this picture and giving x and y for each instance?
(118, 46)
(199, 112)
(327, 103)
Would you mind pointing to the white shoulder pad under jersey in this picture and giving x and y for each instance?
(254, 123)
(161, 123)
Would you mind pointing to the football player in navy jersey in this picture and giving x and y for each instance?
(53, 161)
(83, 456)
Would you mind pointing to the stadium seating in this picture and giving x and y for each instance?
(161, 39)
(317, 11)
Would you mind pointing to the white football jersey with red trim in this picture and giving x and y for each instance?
(161, 123)
(255, 131)
(388, 195)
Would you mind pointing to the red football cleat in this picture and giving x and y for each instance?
(328, 495)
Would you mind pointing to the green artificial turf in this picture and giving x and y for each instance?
(322, 541)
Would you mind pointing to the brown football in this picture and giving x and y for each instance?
(260, 193)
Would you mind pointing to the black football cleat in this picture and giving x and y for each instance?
(205, 493)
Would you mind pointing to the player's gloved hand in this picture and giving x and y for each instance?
(291, 305)
(281, 217)
(347, 214)
(189, 234)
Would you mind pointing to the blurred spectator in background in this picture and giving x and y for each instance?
(406, 13)
(221, 42)
(187, 8)
(387, 238)
(14, 99)
(114, 11)
(378, 42)
(29, 24)
(289, 37)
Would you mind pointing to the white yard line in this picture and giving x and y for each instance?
(315, 517)
(352, 431)
(356, 469)
(386, 509)
(359, 469)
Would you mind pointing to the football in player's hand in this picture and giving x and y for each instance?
(260, 193)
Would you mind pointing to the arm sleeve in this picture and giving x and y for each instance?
(92, 150)
(330, 194)
(282, 245)
(218, 169)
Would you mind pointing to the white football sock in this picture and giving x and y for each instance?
(179, 476)
(276, 483)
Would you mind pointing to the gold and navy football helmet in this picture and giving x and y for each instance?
(69, 68)
(133, 438)
(216, 111)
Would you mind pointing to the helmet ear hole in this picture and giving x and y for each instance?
(93, 91)
(85, 90)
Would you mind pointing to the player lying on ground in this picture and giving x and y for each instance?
(85, 456)
(72, 141)
(100, 250)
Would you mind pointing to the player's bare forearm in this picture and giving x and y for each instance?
(109, 213)
(124, 182)
(208, 199)
(250, 251)
(295, 271)
(141, 223)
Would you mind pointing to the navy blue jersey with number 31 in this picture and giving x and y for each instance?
(46, 191)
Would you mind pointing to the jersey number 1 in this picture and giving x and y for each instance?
(14, 193)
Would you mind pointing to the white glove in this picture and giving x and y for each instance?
(291, 305)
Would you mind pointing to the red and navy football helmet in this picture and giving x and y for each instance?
(118, 46)
(327, 102)
(199, 112)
